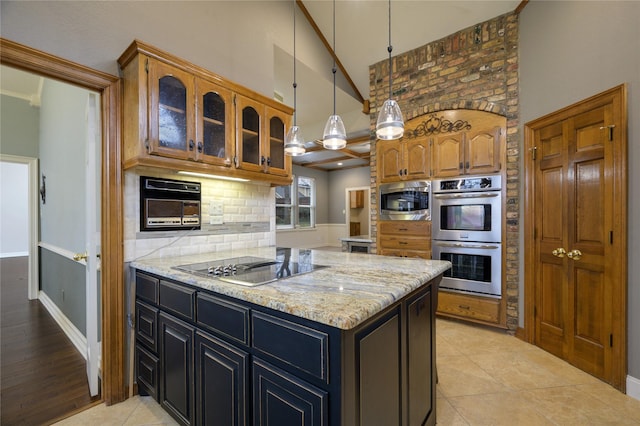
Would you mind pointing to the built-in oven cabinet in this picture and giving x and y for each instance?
(405, 238)
(403, 159)
(178, 116)
(468, 153)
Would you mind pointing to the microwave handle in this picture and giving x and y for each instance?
(461, 245)
(468, 195)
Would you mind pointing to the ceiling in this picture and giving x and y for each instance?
(361, 40)
(362, 37)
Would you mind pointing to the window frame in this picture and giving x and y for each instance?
(295, 205)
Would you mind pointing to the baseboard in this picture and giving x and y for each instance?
(633, 387)
(77, 338)
(14, 254)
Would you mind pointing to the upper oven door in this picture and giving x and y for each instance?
(467, 216)
(405, 201)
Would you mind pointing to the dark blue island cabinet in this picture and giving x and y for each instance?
(209, 359)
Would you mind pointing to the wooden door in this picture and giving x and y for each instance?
(417, 158)
(483, 150)
(277, 124)
(389, 161)
(214, 124)
(578, 250)
(250, 132)
(171, 115)
(448, 154)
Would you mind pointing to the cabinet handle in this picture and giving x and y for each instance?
(467, 307)
(262, 160)
(403, 242)
(460, 166)
(190, 145)
(200, 147)
(467, 165)
(405, 172)
(268, 161)
(400, 172)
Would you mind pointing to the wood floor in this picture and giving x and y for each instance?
(42, 375)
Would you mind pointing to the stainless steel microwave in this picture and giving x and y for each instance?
(169, 205)
(408, 200)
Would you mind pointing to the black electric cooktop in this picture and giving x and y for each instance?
(253, 271)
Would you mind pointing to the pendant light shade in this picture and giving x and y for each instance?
(334, 136)
(334, 133)
(293, 141)
(390, 124)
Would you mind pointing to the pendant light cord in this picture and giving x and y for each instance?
(295, 85)
(389, 49)
(333, 70)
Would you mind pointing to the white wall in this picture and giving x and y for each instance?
(14, 209)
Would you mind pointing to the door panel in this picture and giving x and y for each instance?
(578, 281)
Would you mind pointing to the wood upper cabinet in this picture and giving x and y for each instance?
(474, 145)
(403, 159)
(171, 127)
(260, 138)
(178, 116)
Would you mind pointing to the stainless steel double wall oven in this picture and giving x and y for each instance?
(467, 231)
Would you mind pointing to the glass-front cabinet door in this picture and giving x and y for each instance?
(171, 116)
(277, 162)
(249, 116)
(214, 130)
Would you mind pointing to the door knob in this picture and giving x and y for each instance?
(80, 256)
(559, 252)
(574, 254)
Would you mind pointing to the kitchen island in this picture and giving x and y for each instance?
(350, 343)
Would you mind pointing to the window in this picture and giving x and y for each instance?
(296, 204)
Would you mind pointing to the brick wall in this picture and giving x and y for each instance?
(475, 68)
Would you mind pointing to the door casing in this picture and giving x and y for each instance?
(113, 385)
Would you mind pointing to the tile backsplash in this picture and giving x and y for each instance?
(248, 216)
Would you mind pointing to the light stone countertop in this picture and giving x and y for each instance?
(352, 289)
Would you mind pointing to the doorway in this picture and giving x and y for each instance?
(112, 298)
(576, 235)
(357, 211)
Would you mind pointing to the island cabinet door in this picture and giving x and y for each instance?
(420, 356)
(176, 359)
(281, 399)
(379, 372)
(221, 382)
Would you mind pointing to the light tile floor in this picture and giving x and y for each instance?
(486, 377)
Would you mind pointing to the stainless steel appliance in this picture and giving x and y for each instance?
(405, 200)
(468, 209)
(467, 231)
(253, 271)
(167, 204)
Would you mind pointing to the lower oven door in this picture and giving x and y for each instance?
(476, 267)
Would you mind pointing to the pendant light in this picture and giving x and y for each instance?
(334, 136)
(293, 141)
(390, 124)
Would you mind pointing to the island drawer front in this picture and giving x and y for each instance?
(224, 317)
(147, 370)
(177, 299)
(302, 347)
(147, 287)
(147, 325)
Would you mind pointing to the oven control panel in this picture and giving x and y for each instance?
(476, 183)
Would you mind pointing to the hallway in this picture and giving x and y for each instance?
(42, 374)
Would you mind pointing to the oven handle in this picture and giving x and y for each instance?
(468, 195)
(462, 245)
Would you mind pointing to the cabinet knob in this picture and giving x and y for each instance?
(268, 161)
(262, 160)
(200, 147)
(191, 144)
